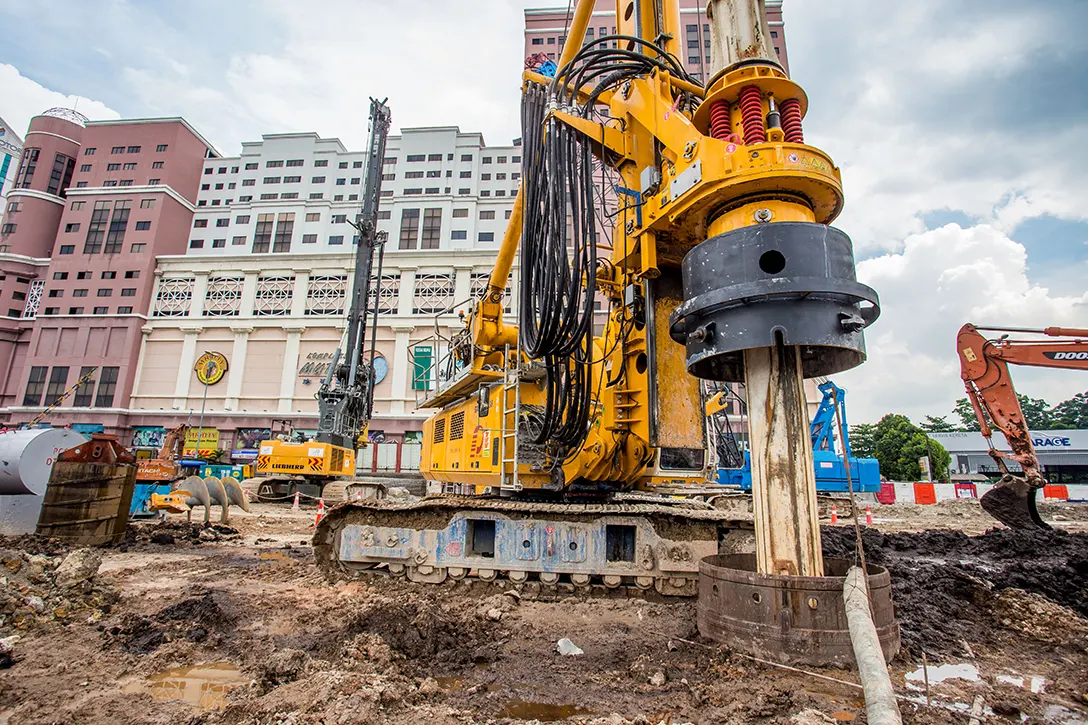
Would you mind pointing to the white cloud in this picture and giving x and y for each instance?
(24, 98)
(942, 279)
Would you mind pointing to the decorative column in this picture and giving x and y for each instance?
(290, 368)
(145, 332)
(185, 366)
(298, 295)
(462, 282)
(399, 392)
(249, 294)
(200, 291)
(407, 290)
(237, 366)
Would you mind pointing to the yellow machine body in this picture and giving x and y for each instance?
(707, 186)
(311, 459)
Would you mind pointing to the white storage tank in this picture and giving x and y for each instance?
(26, 462)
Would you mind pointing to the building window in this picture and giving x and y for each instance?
(313, 217)
(485, 192)
(131, 166)
(96, 229)
(339, 218)
(35, 384)
(132, 274)
(225, 222)
(152, 182)
(432, 228)
(409, 228)
(413, 174)
(538, 41)
(117, 150)
(461, 213)
(52, 293)
(109, 183)
(83, 275)
(107, 385)
(101, 311)
(413, 192)
(389, 177)
(196, 244)
(138, 248)
(285, 226)
(249, 182)
(336, 239)
(67, 249)
(143, 226)
(343, 164)
(60, 275)
(356, 164)
(262, 235)
(342, 182)
(273, 164)
(340, 197)
(219, 243)
(133, 149)
(431, 190)
(200, 223)
(458, 234)
(85, 391)
(27, 168)
(500, 192)
(309, 239)
(415, 158)
(487, 214)
(58, 383)
(116, 236)
(387, 194)
(464, 192)
(81, 184)
(486, 236)
(355, 180)
(85, 168)
(124, 310)
(160, 148)
(292, 179)
(61, 176)
(245, 198)
(320, 163)
(109, 274)
(52, 310)
(294, 162)
(75, 310)
(8, 228)
(508, 213)
(105, 293)
(268, 197)
(317, 180)
(466, 174)
(317, 195)
(128, 292)
(271, 179)
(242, 219)
(77, 205)
(89, 151)
(146, 203)
(237, 241)
(485, 177)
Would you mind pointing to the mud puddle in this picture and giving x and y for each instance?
(203, 686)
(542, 711)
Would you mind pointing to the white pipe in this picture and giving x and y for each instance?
(27, 457)
(880, 707)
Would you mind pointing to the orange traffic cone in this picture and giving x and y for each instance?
(834, 514)
(868, 516)
(320, 511)
(294, 506)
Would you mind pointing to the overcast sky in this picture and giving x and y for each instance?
(959, 126)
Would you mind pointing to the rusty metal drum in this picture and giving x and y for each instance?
(788, 619)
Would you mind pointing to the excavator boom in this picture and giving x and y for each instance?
(984, 367)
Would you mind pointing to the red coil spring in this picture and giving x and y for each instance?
(790, 110)
(751, 114)
(719, 120)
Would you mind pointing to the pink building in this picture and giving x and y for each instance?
(545, 30)
(126, 193)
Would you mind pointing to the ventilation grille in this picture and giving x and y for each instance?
(440, 430)
(337, 459)
(457, 426)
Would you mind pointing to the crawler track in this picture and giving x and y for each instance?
(637, 545)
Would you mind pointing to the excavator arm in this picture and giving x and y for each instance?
(984, 367)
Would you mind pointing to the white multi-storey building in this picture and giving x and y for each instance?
(268, 272)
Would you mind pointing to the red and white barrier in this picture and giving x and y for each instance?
(928, 493)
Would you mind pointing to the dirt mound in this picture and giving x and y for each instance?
(34, 544)
(173, 532)
(949, 587)
(203, 617)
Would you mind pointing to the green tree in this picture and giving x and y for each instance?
(898, 446)
(968, 419)
(1036, 412)
(1072, 413)
(863, 440)
(937, 425)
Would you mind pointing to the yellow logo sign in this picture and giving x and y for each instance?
(210, 368)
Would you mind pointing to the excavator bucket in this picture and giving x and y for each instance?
(1012, 502)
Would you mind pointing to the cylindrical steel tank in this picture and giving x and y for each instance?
(90, 493)
(27, 458)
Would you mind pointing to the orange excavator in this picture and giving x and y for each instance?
(984, 367)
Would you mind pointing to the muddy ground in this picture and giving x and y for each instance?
(278, 644)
